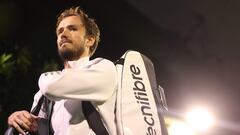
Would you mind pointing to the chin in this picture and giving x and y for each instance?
(68, 54)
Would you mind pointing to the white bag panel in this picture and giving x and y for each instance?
(136, 109)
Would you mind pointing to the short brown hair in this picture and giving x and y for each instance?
(89, 23)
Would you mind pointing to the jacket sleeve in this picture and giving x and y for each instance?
(96, 82)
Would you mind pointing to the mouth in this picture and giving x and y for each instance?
(64, 42)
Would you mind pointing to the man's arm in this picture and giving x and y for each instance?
(96, 82)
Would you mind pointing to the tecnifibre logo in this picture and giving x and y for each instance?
(142, 99)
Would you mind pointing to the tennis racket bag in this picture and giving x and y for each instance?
(140, 102)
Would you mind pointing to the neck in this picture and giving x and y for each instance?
(67, 64)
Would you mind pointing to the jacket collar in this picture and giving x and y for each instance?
(79, 63)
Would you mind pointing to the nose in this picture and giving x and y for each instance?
(64, 34)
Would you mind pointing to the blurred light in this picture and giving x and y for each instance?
(180, 128)
(200, 119)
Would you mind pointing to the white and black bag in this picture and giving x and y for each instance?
(140, 101)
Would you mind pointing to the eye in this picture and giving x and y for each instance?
(72, 28)
(59, 31)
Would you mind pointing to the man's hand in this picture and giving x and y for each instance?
(22, 121)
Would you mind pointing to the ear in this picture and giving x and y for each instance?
(90, 40)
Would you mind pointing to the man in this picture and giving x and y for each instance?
(80, 80)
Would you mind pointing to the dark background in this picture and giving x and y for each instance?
(194, 46)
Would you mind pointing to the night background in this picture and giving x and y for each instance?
(193, 44)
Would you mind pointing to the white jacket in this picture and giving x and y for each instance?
(94, 80)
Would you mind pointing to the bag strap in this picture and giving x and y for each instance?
(36, 110)
(48, 105)
(93, 118)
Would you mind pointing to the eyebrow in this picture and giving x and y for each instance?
(68, 26)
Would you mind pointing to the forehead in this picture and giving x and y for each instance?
(70, 20)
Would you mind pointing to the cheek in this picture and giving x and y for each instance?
(78, 39)
(58, 40)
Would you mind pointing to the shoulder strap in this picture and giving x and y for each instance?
(36, 110)
(93, 118)
(48, 105)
